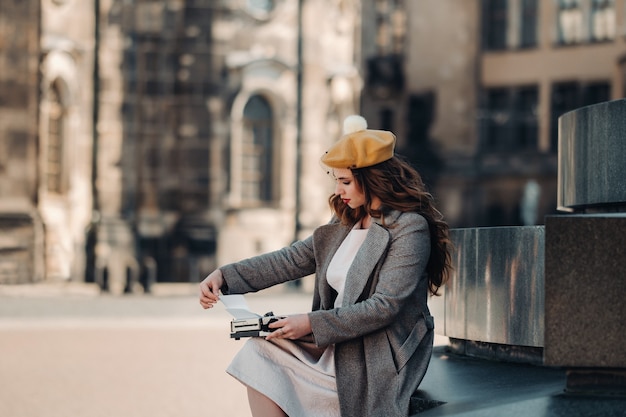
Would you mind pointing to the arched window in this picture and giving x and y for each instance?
(55, 145)
(257, 152)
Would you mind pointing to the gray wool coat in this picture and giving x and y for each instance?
(383, 334)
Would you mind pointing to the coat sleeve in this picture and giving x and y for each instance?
(263, 271)
(401, 280)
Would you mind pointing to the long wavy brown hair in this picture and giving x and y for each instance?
(400, 187)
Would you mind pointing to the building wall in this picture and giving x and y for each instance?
(441, 57)
(332, 86)
(442, 63)
(171, 191)
(19, 78)
(259, 62)
(173, 166)
(486, 164)
(45, 120)
(431, 100)
(551, 62)
(264, 59)
(21, 243)
(569, 66)
(65, 134)
(158, 88)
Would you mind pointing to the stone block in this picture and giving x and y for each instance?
(592, 158)
(585, 288)
(496, 292)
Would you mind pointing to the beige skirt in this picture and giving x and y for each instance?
(298, 376)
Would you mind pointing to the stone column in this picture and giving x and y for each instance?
(585, 268)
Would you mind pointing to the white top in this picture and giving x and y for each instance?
(342, 260)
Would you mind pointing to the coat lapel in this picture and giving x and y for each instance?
(327, 240)
(364, 263)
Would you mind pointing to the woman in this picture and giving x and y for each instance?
(365, 346)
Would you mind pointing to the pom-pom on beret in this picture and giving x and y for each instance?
(359, 147)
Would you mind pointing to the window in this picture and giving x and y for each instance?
(594, 93)
(497, 117)
(525, 108)
(386, 119)
(564, 98)
(385, 76)
(568, 96)
(509, 24)
(385, 69)
(495, 24)
(390, 27)
(421, 113)
(528, 35)
(510, 119)
(257, 152)
(55, 147)
(419, 148)
(602, 20)
(586, 21)
(570, 22)
(260, 9)
(149, 17)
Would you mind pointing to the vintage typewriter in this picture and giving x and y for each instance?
(251, 327)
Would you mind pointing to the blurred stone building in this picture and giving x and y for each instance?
(20, 224)
(152, 140)
(46, 79)
(475, 88)
(212, 115)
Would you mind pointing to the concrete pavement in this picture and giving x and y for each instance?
(79, 353)
(68, 350)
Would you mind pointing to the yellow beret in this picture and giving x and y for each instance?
(359, 147)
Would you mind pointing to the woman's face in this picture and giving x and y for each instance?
(347, 188)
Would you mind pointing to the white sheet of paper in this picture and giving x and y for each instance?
(237, 306)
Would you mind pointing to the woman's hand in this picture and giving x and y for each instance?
(291, 327)
(210, 289)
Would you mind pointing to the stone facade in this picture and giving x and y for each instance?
(475, 88)
(45, 124)
(65, 150)
(156, 139)
(21, 243)
(200, 135)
